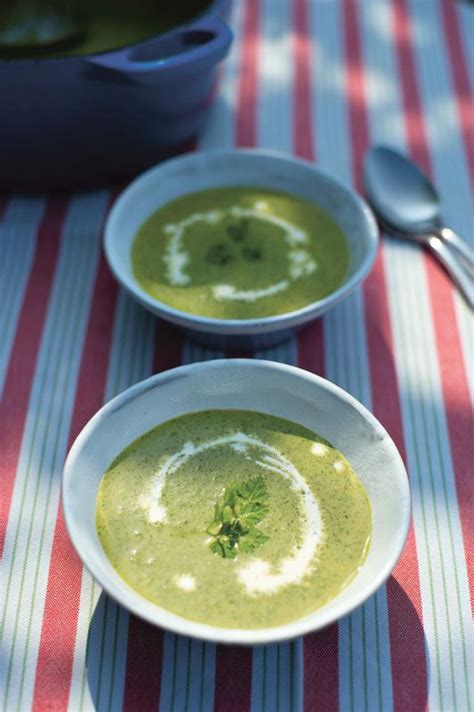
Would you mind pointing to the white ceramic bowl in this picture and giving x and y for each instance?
(215, 169)
(263, 386)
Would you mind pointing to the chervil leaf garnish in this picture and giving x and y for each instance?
(236, 515)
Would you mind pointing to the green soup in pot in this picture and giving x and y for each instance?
(53, 28)
(234, 518)
(239, 253)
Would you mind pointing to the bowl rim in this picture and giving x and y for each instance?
(163, 618)
(242, 326)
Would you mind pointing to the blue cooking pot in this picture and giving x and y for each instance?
(81, 121)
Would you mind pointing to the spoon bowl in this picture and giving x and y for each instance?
(400, 192)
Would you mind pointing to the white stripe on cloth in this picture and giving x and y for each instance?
(285, 352)
(264, 679)
(193, 352)
(441, 565)
(130, 361)
(188, 675)
(219, 131)
(35, 499)
(275, 77)
(80, 695)
(18, 232)
(364, 645)
(105, 673)
(442, 568)
(277, 674)
(202, 679)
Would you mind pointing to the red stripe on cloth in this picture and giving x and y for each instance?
(384, 381)
(321, 685)
(406, 631)
(413, 115)
(58, 633)
(143, 667)
(355, 90)
(247, 87)
(311, 348)
(168, 347)
(443, 314)
(233, 679)
(21, 367)
(457, 402)
(303, 143)
(464, 98)
(3, 205)
(407, 680)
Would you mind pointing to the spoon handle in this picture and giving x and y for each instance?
(451, 264)
(458, 244)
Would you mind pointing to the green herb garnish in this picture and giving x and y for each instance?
(219, 254)
(251, 253)
(236, 516)
(238, 231)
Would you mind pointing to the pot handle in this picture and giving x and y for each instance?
(193, 47)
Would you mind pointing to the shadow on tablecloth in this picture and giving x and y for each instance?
(125, 660)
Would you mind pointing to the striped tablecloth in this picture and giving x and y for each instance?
(322, 79)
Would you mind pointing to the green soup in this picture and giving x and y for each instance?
(234, 518)
(239, 253)
(76, 27)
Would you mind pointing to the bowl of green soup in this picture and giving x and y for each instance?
(239, 247)
(238, 501)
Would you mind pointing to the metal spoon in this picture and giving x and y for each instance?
(406, 198)
(408, 206)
